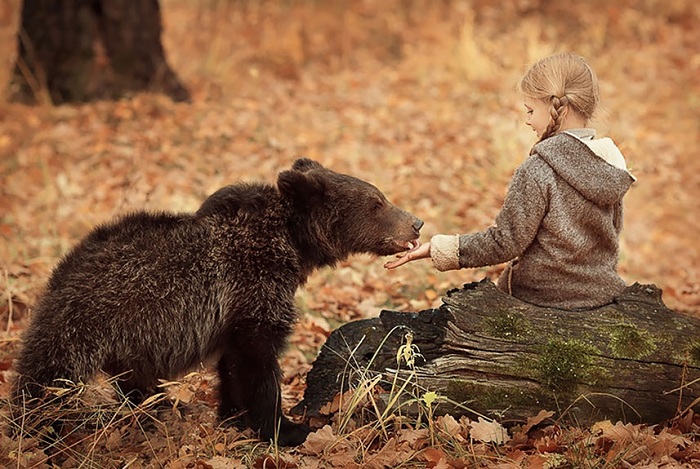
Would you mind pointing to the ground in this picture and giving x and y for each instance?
(417, 97)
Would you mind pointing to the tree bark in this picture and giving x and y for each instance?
(56, 51)
(501, 357)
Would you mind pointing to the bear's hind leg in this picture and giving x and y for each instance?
(41, 367)
(131, 390)
(250, 383)
(61, 365)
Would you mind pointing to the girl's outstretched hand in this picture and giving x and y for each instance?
(421, 252)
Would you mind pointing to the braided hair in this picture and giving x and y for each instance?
(563, 81)
(556, 115)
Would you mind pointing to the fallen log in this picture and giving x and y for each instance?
(633, 360)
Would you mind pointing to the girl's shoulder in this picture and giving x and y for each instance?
(535, 166)
(534, 172)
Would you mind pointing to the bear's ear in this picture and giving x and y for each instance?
(305, 164)
(302, 187)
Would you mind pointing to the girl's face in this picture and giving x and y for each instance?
(537, 115)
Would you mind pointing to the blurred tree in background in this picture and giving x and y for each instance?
(59, 51)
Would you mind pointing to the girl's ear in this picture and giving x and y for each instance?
(302, 187)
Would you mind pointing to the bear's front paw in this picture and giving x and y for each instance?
(292, 434)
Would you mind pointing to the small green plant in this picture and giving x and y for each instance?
(408, 352)
(554, 461)
(405, 403)
(428, 399)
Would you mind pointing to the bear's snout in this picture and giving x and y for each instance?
(418, 224)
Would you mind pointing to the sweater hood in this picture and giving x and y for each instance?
(594, 167)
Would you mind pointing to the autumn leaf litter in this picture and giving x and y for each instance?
(417, 99)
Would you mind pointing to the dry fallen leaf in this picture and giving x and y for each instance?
(279, 461)
(536, 420)
(450, 426)
(434, 457)
(319, 440)
(413, 437)
(390, 455)
(488, 432)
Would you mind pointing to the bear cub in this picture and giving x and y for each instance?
(152, 295)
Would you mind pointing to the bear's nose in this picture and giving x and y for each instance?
(418, 224)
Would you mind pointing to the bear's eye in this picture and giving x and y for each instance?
(377, 204)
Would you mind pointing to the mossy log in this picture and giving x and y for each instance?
(633, 360)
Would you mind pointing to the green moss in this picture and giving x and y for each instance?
(462, 391)
(488, 397)
(508, 325)
(694, 353)
(564, 363)
(627, 341)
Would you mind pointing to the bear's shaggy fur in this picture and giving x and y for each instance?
(153, 295)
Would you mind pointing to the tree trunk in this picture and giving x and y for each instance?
(502, 357)
(56, 51)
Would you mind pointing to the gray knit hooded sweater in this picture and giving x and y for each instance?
(560, 225)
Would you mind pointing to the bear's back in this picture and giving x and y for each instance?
(241, 200)
(138, 238)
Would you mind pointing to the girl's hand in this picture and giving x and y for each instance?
(421, 252)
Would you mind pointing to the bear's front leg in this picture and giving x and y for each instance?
(250, 382)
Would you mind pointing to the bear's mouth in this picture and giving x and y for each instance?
(406, 246)
(392, 246)
(412, 245)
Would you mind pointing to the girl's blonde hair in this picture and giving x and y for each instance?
(562, 80)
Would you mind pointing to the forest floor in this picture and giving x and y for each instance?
(417, 97)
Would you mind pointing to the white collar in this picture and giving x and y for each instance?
(605, 148)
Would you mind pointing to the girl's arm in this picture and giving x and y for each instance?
(516, 227)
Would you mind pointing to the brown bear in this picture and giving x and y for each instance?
(152, 295)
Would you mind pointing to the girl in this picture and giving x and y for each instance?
(561, 219)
